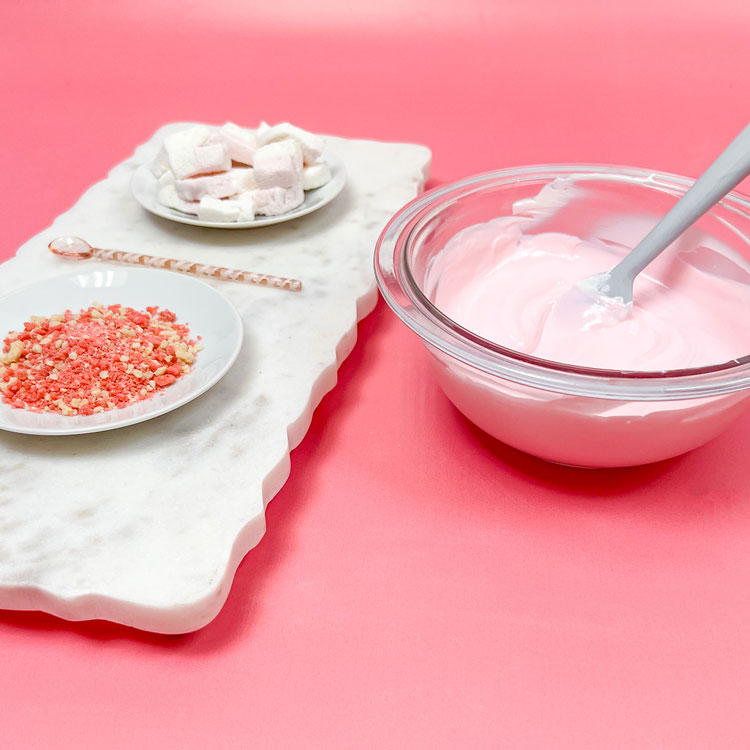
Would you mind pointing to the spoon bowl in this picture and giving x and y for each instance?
(74, 248)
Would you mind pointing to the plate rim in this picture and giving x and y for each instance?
(126, 421)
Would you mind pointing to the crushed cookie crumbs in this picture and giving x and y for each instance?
(104, 357)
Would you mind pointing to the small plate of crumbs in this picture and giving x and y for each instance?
(231, 177)
(94, 351)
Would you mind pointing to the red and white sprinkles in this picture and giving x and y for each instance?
(105, 357)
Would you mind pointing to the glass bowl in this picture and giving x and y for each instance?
(565, 413)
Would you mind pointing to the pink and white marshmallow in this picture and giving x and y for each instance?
(275, 201)
(195, 172)
(215, 209)
(312, 145)
(168, 197)
(240, 143)
(222, 185)
(278, 165)
(315, 175)
(187, 162)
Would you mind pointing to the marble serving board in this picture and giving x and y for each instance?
(146, 525)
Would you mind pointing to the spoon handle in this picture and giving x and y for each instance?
(200, 269)
(729, 169)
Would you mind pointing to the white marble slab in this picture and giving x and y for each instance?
(145, 525)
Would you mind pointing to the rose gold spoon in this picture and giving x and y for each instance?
(76, 248)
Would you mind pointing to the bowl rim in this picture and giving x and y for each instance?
(439, 332)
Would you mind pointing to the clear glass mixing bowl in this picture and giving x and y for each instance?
(568, 414)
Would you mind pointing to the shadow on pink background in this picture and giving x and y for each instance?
(420, 585)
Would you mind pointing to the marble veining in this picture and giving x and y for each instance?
(145, 525)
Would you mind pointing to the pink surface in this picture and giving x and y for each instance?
(420, 585)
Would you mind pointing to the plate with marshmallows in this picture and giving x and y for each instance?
(230, 177)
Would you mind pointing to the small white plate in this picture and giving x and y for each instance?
(207, 313)
(145, 188)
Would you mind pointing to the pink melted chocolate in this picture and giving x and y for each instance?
(504, 285)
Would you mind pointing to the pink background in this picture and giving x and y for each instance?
(420, 585)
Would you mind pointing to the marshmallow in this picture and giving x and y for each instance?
(277, 200)
(195, 136)
(160, 164)
(315, 176)
(195, 173)
(214, 209)
(246, 204)
(178, 143)
(167, 196)
(220, 185)
(244, 179)
(239, 142)
(167, 178)
(214, 186)
(193, 160)
(278, 165)
(312, 146)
